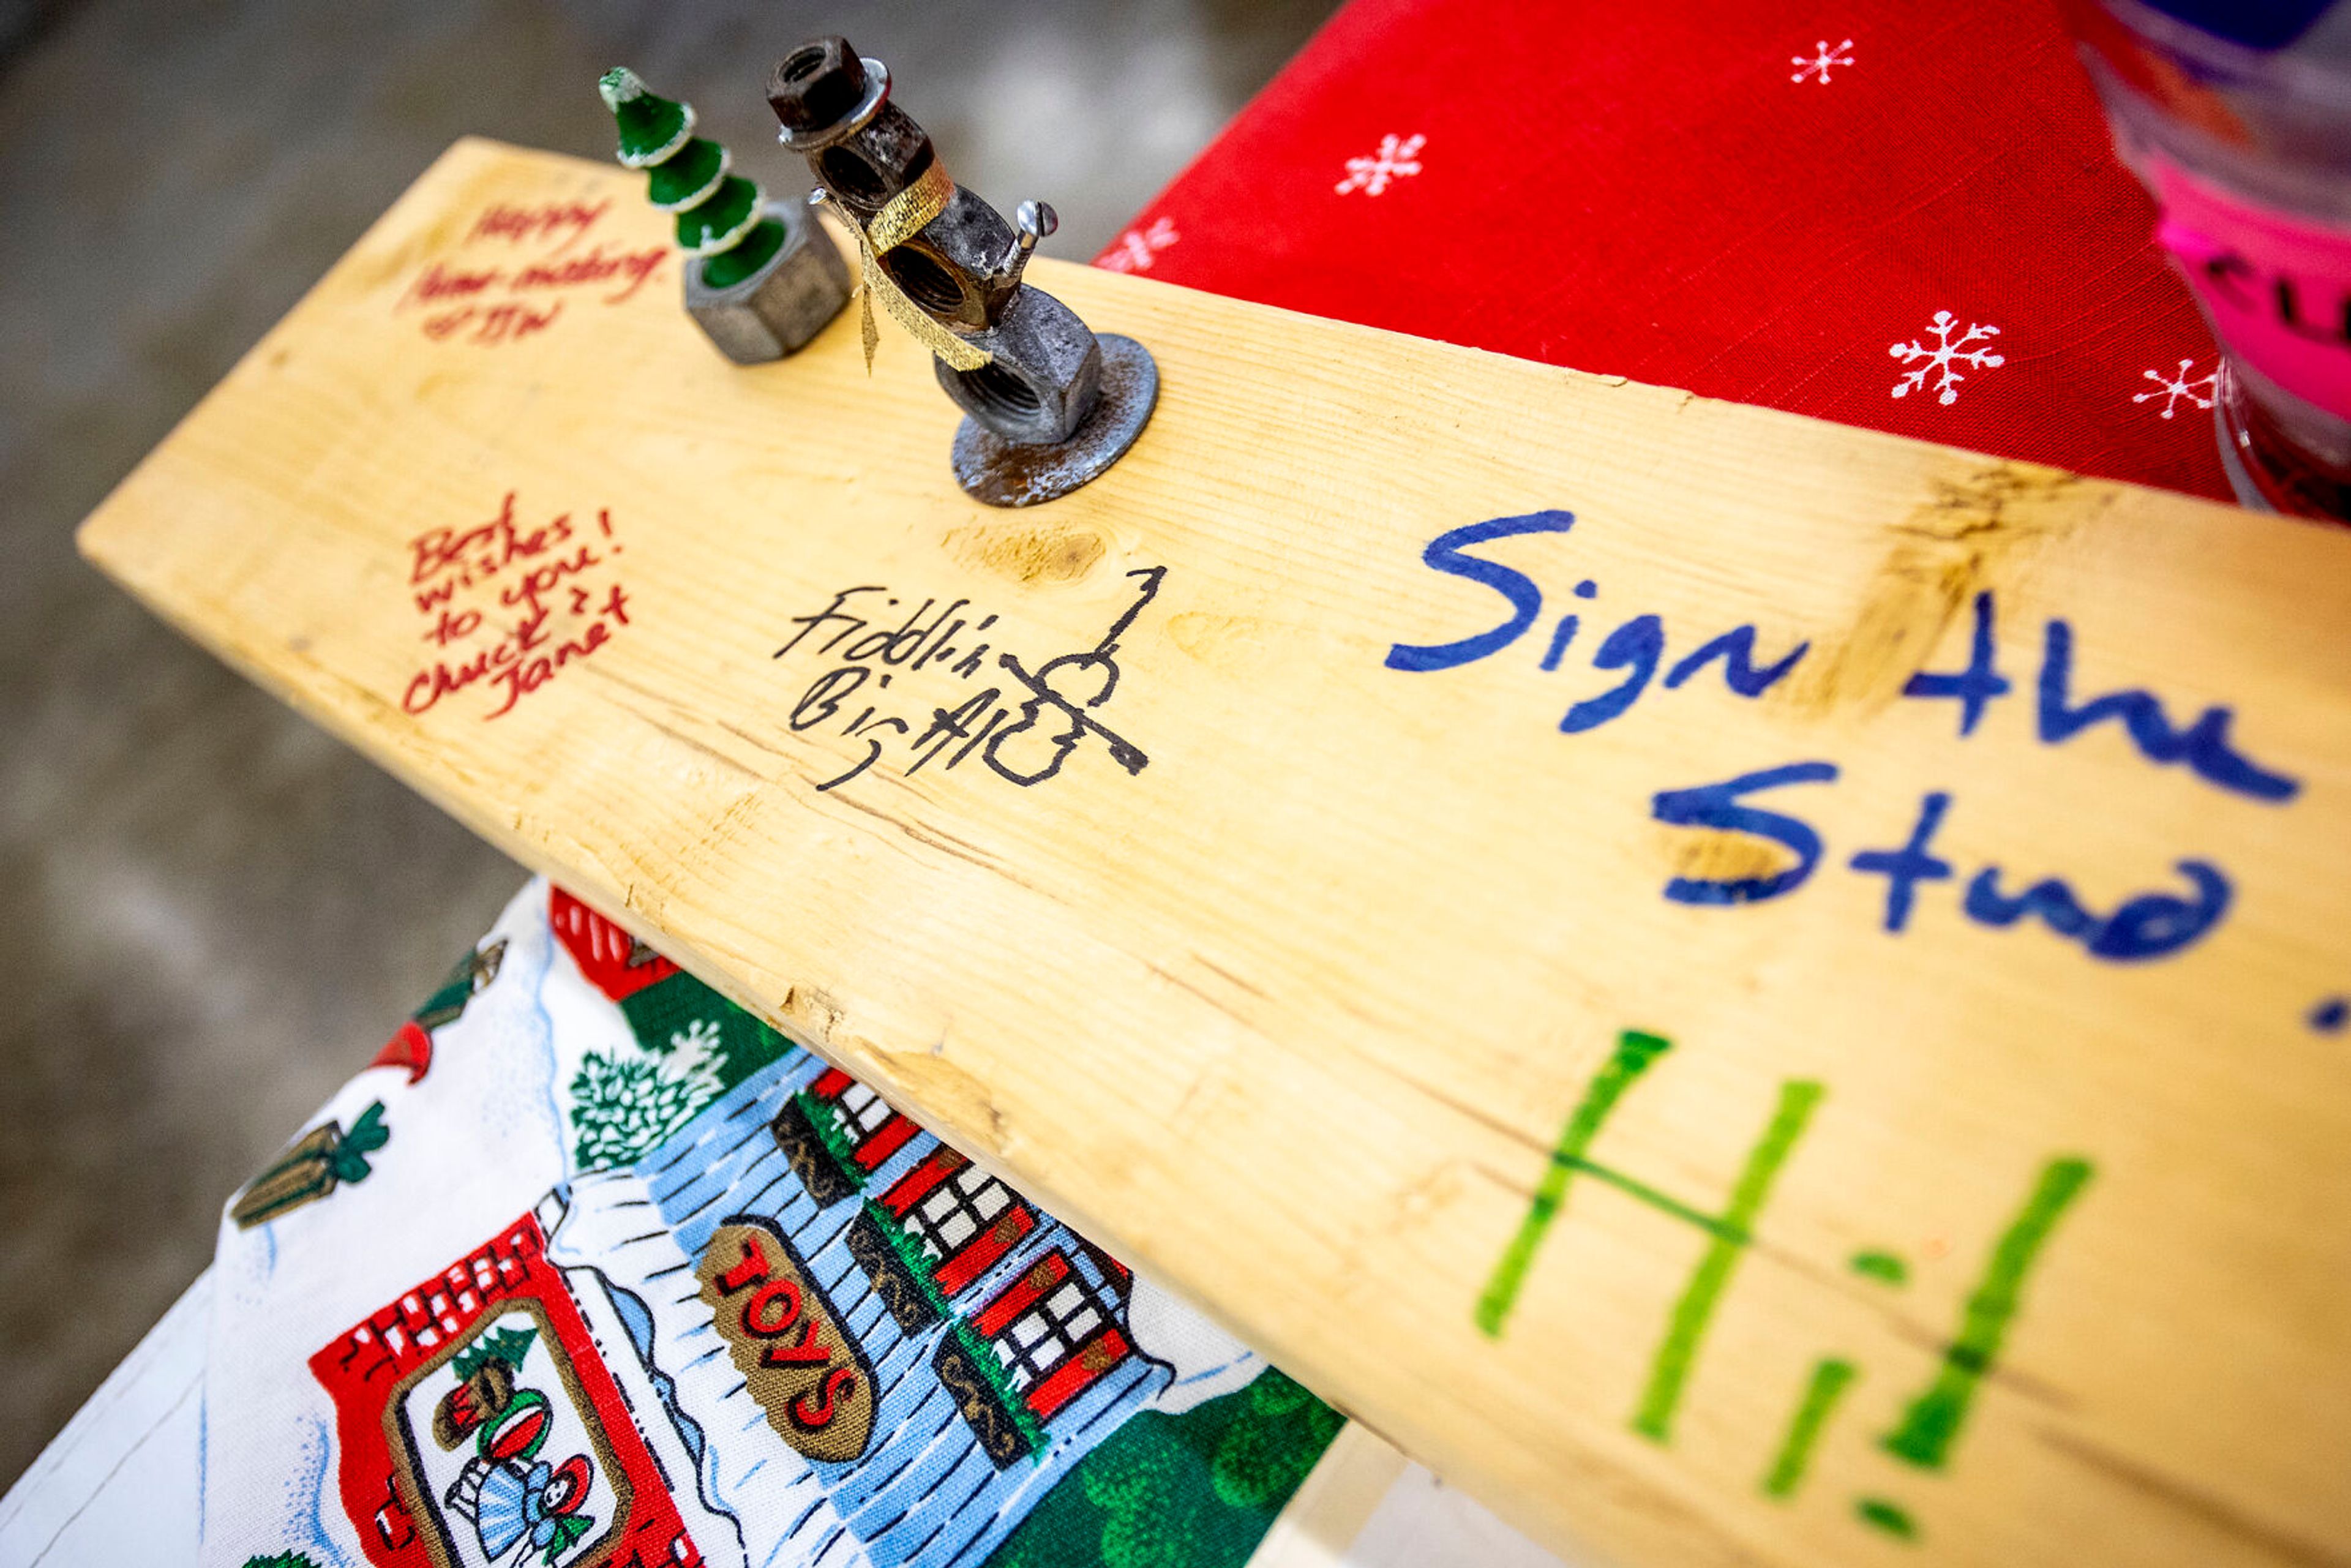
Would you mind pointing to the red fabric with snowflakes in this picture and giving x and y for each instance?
(1685, 194)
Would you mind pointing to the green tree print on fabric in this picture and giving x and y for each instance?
(660, 1013)
(693, 1045)
(1194, 1491)
(1147, 1523)
(282, 1560)
(509, 1346)
(1261, 1460)
(624, 1106)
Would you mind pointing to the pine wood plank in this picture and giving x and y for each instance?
(1313, 1013)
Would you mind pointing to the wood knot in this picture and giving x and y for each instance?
(1029, 555)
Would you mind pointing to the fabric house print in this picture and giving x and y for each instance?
(931, 1353)
(480, 1426)
(1015, 1355)
(763, 1320)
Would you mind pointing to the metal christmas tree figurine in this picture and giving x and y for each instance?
(1051, 404)
(759, 282)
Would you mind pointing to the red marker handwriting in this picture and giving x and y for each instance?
(520, 225)
(486, 301)
(510, 603)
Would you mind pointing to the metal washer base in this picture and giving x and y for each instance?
(1001, 473)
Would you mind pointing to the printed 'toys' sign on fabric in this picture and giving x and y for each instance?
(806, 1373)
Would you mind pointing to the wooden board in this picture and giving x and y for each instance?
(1989, 1202)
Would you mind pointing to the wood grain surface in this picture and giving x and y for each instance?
(1891, 1105)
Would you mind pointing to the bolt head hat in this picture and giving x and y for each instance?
(824, 91)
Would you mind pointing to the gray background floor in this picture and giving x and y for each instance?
(211, 913)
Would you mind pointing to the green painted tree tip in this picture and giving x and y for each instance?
(618, 85)
(650, 127)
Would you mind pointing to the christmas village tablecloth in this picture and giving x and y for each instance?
(592, 1265)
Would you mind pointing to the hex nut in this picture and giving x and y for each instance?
(816, 84)
(954, 266)
(781, 307)
(1043, 379)
(998, 473)
(869, 166)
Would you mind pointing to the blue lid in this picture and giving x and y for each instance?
(2257, 24)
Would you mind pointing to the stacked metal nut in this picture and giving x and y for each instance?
(1035, 369)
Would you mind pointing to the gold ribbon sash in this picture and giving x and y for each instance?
(896, 223)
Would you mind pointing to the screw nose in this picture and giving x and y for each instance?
(1035, 220)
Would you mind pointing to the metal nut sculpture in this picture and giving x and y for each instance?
(759, 281)
(1049, 403)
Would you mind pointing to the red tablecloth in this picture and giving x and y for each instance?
(1906, 216)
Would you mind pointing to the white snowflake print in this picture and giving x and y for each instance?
(1137, 247)
(1399, 156)
(1818, 65)
(695, 1039)
(2174, 387)
(1943, 361)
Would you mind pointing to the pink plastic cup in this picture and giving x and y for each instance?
(2248, 152)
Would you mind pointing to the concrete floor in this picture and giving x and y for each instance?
(211, 913)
